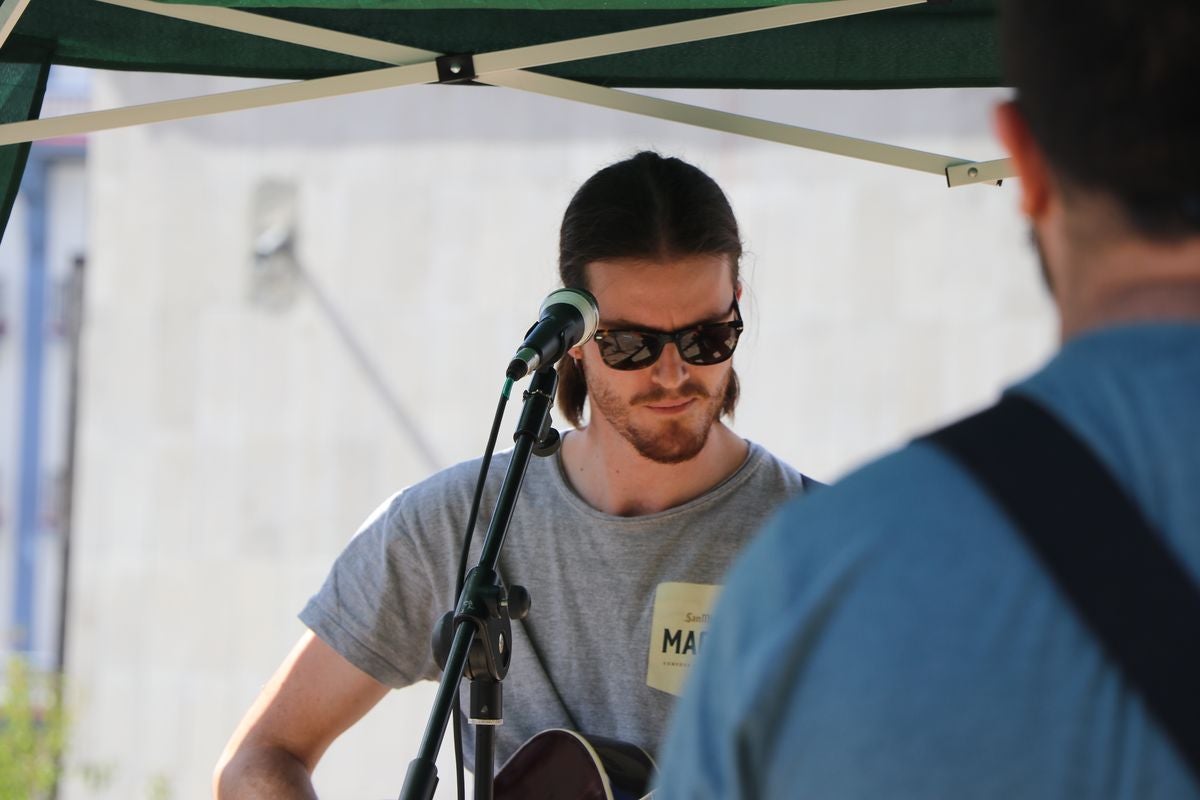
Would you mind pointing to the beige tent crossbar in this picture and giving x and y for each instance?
(10, 15)
(241, 100)
(726, 122)
(283, 30)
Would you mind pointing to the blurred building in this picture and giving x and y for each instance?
(42, 260)
(292, 313)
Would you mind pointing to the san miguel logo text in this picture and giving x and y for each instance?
(677, 630)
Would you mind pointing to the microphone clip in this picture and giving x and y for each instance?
(535, 419)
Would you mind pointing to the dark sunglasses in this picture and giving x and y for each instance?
(700, 345)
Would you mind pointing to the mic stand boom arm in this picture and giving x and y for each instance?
(482, 641)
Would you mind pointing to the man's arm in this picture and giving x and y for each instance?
(311, 699)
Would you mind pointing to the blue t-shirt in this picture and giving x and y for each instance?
(892, 636)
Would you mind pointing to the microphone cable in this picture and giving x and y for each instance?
(462, 566)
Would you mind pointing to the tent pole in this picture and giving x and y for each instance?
(536, 55)
(679, 33)
(724, 121)
(957, 170)
(10, 15)
(979, 172)
(283, 31)
(241, 100)
(695, 30)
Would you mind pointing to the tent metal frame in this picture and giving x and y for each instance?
(10, 15)
(506, 68)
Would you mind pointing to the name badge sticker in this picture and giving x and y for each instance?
(677, 629)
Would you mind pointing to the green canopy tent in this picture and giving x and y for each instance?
(574, 49)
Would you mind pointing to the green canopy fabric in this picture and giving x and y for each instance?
(22, 85)
(948, 43)
(944, 44)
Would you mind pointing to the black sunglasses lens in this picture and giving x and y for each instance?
(628, 350)
(701, 346)
(710, 344)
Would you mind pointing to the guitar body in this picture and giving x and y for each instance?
(558, 764)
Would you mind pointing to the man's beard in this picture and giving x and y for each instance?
(671, 441)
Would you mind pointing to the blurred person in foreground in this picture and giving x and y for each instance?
(898, 634)
(621, 538)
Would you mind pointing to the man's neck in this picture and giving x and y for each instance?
(611, 476)
(1133, 281)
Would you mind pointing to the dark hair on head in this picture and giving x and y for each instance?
(646, 207)
(1108, 88)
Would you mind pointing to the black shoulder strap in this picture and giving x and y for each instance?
(1118, 573)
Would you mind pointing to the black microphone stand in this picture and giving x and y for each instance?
(476, 638)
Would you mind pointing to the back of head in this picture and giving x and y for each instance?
(1108, 89)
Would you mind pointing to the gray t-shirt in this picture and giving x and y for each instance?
(619, 604)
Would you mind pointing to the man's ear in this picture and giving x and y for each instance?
(1029, 162)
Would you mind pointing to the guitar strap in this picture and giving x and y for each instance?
(1118, 574)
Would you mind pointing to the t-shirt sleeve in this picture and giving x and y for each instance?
(378, 605)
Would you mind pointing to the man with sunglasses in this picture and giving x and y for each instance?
(621, 538)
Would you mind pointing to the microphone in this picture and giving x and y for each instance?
(568, 317)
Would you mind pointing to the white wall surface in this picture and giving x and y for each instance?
(228, 450)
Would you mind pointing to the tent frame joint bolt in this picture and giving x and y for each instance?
(456, 68)
(970, 172)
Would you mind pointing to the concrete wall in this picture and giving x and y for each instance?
(231, 441)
